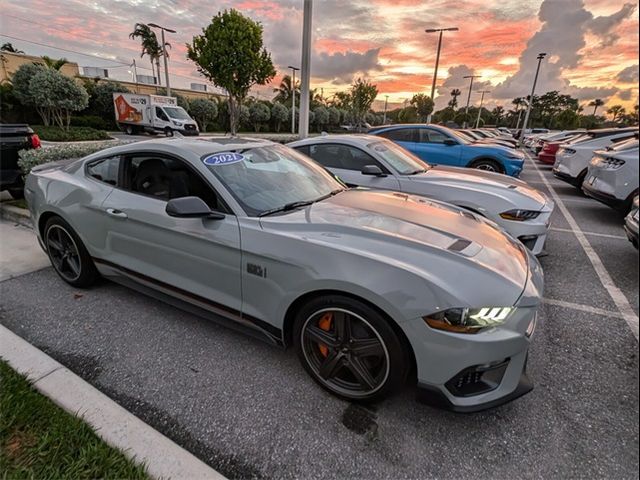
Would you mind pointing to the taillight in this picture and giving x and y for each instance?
(35, 141)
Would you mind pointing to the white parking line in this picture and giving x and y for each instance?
(593, 234)
(603, 275)
(582, 308)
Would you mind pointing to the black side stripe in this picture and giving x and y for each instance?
(226, 311)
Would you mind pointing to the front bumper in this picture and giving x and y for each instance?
(189, 133)
(604, 197)
(631, 228)
(563, 174)
(10, 179)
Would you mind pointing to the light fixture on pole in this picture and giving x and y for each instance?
(435, 72)
(466, 110)
(293, 97)
(164, 54)
(480, 109)
(305, 73)
(533, 89)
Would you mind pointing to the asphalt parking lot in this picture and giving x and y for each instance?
(249, 410)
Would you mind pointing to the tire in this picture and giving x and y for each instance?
(580, 180)
(61, 241)
(371, 347)
(168, 132)
(488, 165)
(128, 129)
(16, 193)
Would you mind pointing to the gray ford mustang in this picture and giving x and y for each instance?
(375, 162)
(367, 286)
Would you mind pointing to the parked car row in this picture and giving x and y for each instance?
(416, 274)
(603, 164)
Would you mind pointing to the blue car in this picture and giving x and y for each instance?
(443, 146)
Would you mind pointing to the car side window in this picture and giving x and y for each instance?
(161, 115)
(105, 170)
(167, 178)
(333, 155)
(401, 134)
(432, 136)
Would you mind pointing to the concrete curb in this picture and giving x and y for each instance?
(115, 425)
(15, 214)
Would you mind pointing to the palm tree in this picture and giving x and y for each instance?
(455, 93)
(519, 102)
(53, 63)
(595, 104)
(616, 111)
(150, 46)
(284, 91)
(8, 47)
(498, 113)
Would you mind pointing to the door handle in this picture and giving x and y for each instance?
(116, 213)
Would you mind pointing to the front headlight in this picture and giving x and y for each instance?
(177, 124)
(468, 320)
(519, 215)
(612, 163)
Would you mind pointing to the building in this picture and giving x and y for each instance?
(12, 61)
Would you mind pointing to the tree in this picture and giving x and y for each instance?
(279, 115)
(56, 96)
(20, 80)
(259, 114)
(54, 63)
(455, 93)
(423, 105)
(334, 116)
(567, 119)
(497, 113)
(321, 116)
(244, 115)
(595, 104)
(203, 111)
(8, 47)
(230, 53)
(285, 90)
(616, 111)
(150, 46)
(362, 96)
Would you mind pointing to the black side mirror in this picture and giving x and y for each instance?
(450, 142)
(372, 170)
(190, 207)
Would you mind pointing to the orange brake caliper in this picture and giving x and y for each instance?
(325, 324)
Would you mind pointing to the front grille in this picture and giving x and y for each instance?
(477, 379)
(529, 241)
(189, 127)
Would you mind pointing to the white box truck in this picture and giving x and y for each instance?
(153, 114)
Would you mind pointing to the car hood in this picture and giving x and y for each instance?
(491, 146)
(484, 181)
(388, 225)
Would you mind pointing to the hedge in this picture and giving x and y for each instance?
(74, 134)
(34, 157)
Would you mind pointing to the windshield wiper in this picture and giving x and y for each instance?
(293, 205)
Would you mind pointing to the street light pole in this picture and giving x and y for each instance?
(435, 72)
(384, 117)
(533, 89)
(480, 110)
(466, 110)
(303, 127)
(164, 54)
(293, 97)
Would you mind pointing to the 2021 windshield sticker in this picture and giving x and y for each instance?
(222, 158)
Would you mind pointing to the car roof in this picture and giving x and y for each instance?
(199, 146)
(352, 138)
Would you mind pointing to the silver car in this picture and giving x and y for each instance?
(375, 162)
(367, 286)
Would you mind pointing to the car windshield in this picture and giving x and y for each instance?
(460, 137)
(580, 138)
(177, 112)
(626, 144)
(403, 161)
(470, 135)
(271, 178)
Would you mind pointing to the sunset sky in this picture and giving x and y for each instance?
(592, 44)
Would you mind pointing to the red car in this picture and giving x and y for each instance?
(548, 153)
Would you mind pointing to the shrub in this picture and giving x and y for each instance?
(56, 96)
(279, 115)
(34, 157)
(203, 111)
(74, 134)
(91, 121)
(259, 113)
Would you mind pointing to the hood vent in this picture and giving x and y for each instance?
(459, 245)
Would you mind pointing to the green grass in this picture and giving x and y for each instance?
(41, 441)
(54, 133)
